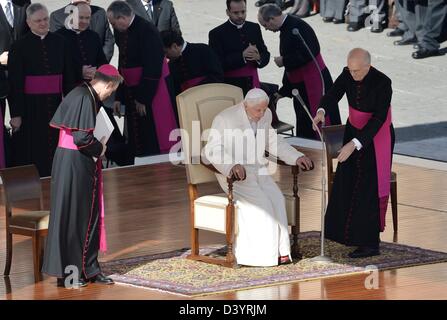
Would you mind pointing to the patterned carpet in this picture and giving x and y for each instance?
(172, 272)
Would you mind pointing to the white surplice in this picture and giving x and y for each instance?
(262, 233)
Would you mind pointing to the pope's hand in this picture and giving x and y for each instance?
(304, 163)
(238, 171)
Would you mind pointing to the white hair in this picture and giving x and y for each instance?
(255, 96)
(360, 52)
(33, 8)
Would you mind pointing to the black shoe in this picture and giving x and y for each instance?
(327, 19)
(100, 278)
(363, 252)
(425, 53)
(353, 27)
(395, 33)
(417, 46)
(379, 29)
(75, 285)
(338, 21)
(403, 42)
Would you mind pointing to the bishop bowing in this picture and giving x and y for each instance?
(76, 230)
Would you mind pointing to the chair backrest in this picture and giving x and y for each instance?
(197, 108)
(333, 138)
(22, 185)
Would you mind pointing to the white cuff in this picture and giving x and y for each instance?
(357, 143)
(321, 109)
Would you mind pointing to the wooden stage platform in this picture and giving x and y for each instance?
(147, 212)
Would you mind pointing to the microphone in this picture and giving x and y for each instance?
(296, 32)
(296, 94)
(321, 258)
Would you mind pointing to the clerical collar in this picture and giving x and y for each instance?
(283, 20)
(131, 21)
(239, 26)
(184, 46)
(38, 35)
(92, 92)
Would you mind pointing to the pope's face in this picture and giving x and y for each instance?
(256, 110)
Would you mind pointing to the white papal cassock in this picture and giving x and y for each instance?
(262, 233)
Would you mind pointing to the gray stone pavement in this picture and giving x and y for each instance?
(420, 86)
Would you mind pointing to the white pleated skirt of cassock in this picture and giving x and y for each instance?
(261, 219)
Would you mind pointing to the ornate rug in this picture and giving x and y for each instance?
(172, 272)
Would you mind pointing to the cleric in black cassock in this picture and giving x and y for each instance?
(145, 92)
(240, 47)
(84, 45)
(76, 226)
(39, 74)
(190, 64)
(300, 71)
(356, 210)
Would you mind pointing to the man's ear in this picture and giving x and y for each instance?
(108, 85)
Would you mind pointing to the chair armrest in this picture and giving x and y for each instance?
(280, 162)
(209, 166)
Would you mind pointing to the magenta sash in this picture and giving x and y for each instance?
(162, 109)
(132, 76)
(191, 83)
(382, 146)
(310, 75)
(51, 84)
(66, 142)
(248, 71)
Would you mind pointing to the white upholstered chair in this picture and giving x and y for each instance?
(216, 212)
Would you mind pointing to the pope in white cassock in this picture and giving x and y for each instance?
(236, 146)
